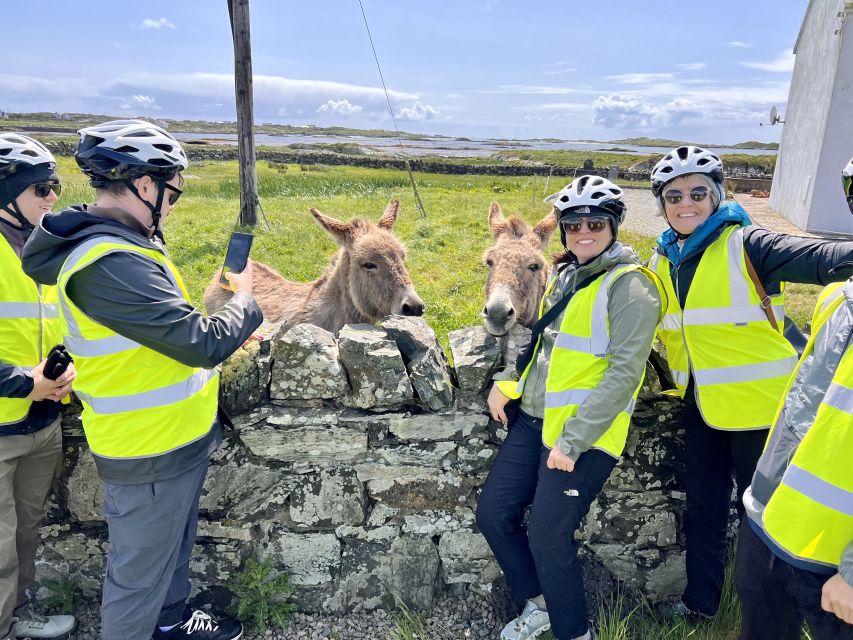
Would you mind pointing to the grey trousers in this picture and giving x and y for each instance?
(152, 530)
(27, 466)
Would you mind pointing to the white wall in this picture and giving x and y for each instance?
(817, 139)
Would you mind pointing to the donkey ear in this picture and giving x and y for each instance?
(496, 220)
(545, 228)
(340, 231)
(390, 216)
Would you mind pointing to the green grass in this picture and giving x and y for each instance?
(445, 248)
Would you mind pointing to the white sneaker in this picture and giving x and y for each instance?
(32, 625)
(532, 622)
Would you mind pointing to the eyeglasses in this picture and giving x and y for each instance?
(175, 193)
(697, 194)
(43, 189)
(594, 225)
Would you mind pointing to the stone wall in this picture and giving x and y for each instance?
(355, 465)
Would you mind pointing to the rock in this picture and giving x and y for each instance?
(310, 558)
(309, 444)
(212, 567)
(426, 362)
(669, 579)
(86, 491)
(374, 367)
(243, 491)
(475, 455)
(428, 454)
(81, 558)
(413, 489)
(244, 379)
(513, 343)
(466, 557)
(437, 426)
(305, 365)
(476, 357)
(409, 571)
(329, 499)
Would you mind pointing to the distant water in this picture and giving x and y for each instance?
(474, 147)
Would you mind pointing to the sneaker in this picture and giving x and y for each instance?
(532, 622)
(30, 624)
(202, 626)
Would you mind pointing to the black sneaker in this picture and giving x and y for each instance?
(199, 625)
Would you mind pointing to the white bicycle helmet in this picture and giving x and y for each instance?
(848, 170)
(16, 150)
(847, 182)
(124, 149)
(685, 160)
(586, 194)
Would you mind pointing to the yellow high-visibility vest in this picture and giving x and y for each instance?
(740, 364)
(810, 514)
(579, 359)
(29, 325)
(137, 402)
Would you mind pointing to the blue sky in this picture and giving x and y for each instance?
(701, 71)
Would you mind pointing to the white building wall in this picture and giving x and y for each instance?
(817, 139)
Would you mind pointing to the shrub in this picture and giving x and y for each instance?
(260, 596)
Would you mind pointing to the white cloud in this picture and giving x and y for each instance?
(338, 108)
(559, 68)
(641, 78)
(159, 23)
(692, 66)
(146, 103)
(783, 63)
(534, 90)
(616, 111)
(739, 44)
(418, 111)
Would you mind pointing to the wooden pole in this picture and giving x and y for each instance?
(238, 12)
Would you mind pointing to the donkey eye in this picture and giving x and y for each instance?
(369, 266)
(534, 267)
(490, 263)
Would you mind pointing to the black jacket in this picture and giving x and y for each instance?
(136, 298)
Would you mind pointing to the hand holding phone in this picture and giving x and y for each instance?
(237, 256)
(57, 362)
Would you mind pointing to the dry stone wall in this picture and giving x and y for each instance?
(355, 465)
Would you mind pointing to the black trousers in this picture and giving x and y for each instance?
(777, 597)
(713, 459)
(543, 559)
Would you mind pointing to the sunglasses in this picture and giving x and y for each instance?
(175, 193)
(594, 225)
(43, 189)
(697, 194)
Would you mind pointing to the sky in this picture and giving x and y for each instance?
(699, 71)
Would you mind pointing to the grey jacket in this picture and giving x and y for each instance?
(633, 309)
(798, 414)
(135, 298)
(15, 382)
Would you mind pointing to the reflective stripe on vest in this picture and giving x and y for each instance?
(137, 402)
(810, 514)
(579, 360)
(29, 325)
(739, 362)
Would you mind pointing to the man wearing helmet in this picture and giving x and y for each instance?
(723, 333)
(795, 550)
(145, 372)
(30, 435)
(577, 382)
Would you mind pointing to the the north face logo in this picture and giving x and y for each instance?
(580, 210)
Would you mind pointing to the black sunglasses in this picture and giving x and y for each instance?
(697, 194)
(593, 224)
(175, 193)
(43, 189)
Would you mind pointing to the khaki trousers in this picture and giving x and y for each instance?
(27, 466)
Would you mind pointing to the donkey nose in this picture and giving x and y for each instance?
(498, 313)
(414, 308)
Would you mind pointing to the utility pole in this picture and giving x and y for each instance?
(238, 12)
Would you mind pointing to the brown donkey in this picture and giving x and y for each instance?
(517, 270)
(365, 281)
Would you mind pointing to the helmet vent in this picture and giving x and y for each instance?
(127, 149)
(165, 147)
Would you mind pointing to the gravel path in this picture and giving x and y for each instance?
(469, 617)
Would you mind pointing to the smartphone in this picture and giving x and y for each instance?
(237, 255)
(58, 360)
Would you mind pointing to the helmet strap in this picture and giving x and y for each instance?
(154, 208)
(12, 208)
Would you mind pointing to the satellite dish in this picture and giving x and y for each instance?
(775, 118)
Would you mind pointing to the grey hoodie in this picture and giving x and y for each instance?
(129, 294)
(634, 310)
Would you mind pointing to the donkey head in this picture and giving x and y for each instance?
(517, 270)
(378, 282)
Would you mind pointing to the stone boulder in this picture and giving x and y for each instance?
(327, 500)
(426, 362)
(306, 365)
(85, 490)
(374, 367)
(476, 357)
